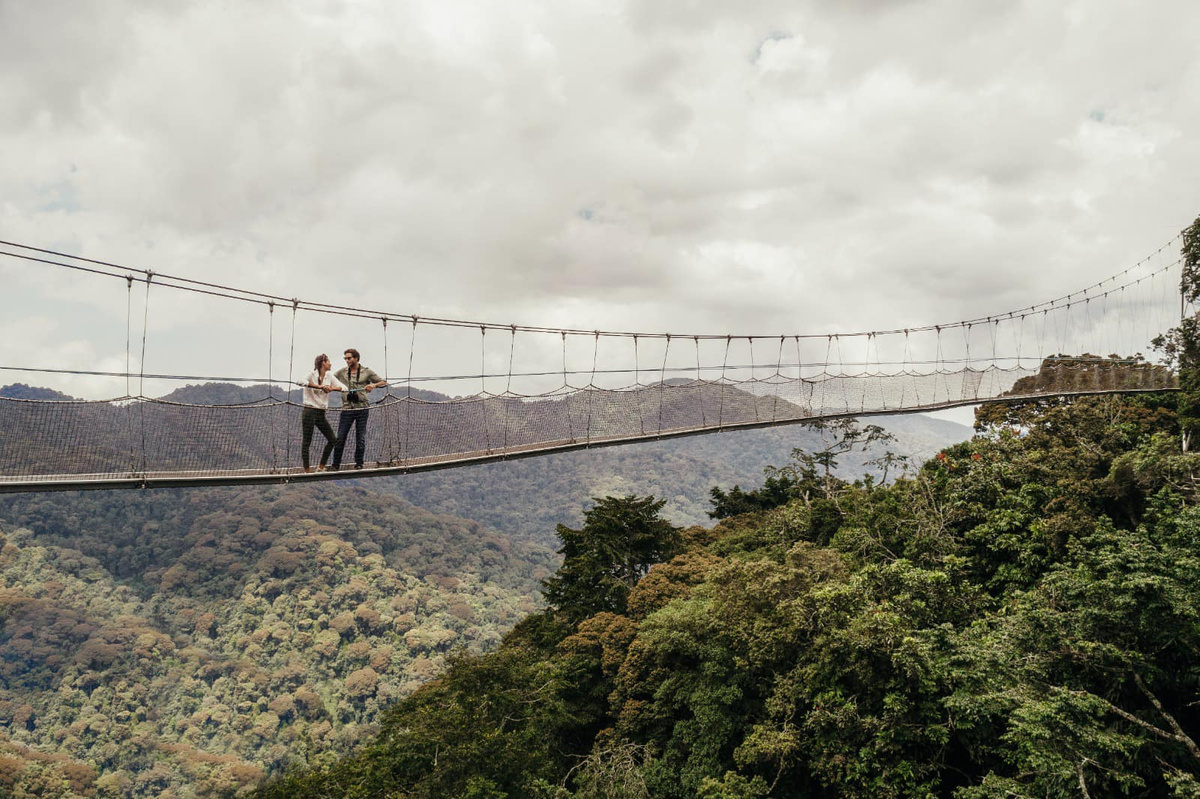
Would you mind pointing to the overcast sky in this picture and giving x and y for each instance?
(665, 165)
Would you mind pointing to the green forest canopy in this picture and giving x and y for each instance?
(1020, 617)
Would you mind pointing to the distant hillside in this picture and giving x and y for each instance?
(215, 394)
(230, 394)
(527, 498)
(223, 394)
(22, 391)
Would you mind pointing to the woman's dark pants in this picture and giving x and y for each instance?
(315, 417)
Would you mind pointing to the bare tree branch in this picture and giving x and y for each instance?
(1179, 735)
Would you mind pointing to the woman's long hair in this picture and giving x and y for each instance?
(319, 360)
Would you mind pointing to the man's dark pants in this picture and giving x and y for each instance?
(358, 420)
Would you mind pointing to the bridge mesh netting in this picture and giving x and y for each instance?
(507, 391)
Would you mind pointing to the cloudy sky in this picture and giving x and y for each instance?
(663, 165)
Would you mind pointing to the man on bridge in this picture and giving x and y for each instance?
(358, 380)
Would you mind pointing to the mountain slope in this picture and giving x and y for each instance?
(528, 497)
(221, 631)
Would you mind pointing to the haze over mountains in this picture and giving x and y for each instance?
(528, 497)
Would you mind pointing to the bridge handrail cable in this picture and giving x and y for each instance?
(166, 280)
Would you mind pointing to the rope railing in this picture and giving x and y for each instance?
(105, 268)
(53, 443)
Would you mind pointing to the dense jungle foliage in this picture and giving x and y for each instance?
(186, 643)
(1021, 617)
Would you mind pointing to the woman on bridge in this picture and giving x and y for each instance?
(317, 388)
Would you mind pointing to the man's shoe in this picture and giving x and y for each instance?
(358, 466)
(334, 468)
(321, 468)
(308, 470)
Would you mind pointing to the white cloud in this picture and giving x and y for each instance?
(689, 165)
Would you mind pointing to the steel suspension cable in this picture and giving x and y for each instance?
(592, 386)
(128, 386)
(291, 373)
(967, 345)
(271, 381)
(637, 369)
(721, 406)
(512, 348)
(778, 379)
(292, 351)
(637, 384)
(142, 369)
(412, 345)
(567, 388)
(800, 384)
(939, 362)
(230, 292)
(1043, 335)
(866, 370)
(1105, 322)
(1163, 300)
(1144, 294)
(753, 369)
(483, 392)
(1066, 331)
(995, 333)
(390, 439)
(1020, 339)
(662, 383)
(128, 325)
(844, 382)
(825, 375)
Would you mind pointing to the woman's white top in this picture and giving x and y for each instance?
(315, 398)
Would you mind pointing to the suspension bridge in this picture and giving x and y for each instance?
(468, 392)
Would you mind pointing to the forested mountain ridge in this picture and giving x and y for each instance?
(1021, 617)
(184, 643)
(526, 498)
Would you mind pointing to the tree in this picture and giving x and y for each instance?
(1181, 345)
(487, 728)
(889, 460)
(779, 488)
(1089, 674)
(840, 436)
(621, 538)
